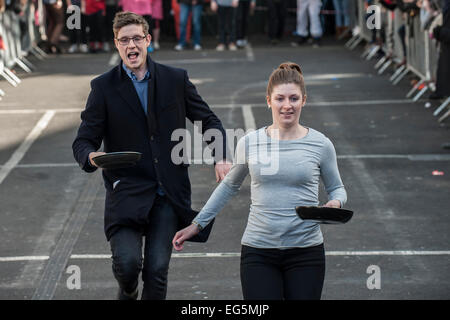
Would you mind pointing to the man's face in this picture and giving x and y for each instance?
(133, 54)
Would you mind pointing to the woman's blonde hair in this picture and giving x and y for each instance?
(287, 72)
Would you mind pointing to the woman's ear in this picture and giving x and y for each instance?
(304, 100)
(268, 101)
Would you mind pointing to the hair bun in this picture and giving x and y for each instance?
(290, 66)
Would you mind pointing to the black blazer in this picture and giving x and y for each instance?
(114, 115)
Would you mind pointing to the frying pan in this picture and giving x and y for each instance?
(117, 160)
(324, 215)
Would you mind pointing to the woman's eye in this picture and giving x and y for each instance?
(294, 99)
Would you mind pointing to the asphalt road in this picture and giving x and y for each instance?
(51, 213)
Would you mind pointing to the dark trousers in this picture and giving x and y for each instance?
(227, 24)
(78, 36)
(290, 274)
(126, 246)
(242, 19)
(277, 17)
(95, 22)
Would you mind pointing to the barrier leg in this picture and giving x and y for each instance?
(8, 78)
(351, 40)
(35, 53)
(442, 107)
(397, 72)
(384, 67)
(421, 92)
(39, 51)
(416, 86)
(28, 63)
(380, 62)
(11, 74)
(400, 77)
(2, 93)
(22, 65)
(445, 116)
(373, 52)
(354, 44)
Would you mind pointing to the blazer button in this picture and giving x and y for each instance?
(151, 138)
(156, 160)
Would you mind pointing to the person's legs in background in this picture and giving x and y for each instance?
(281, 14)
(184, 15)
(221, 21)
(314, 19)
(302, 21)
(241, 22)
(197, 21)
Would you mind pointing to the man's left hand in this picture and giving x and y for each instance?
(222, 168)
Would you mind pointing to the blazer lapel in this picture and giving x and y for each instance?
(128, 93)
(151, 103)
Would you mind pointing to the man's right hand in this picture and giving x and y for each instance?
(93, 155)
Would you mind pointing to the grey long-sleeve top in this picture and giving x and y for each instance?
(284, 174)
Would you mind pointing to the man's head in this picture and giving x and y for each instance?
(131, 38)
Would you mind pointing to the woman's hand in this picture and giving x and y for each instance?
(183, 235)
(333, 204)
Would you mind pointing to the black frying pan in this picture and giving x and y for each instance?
(324, 215)
(117, 160)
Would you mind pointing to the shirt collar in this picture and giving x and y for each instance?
(133, 76)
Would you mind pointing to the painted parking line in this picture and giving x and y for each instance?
(410, 157)
(238, 254)
(25, 145)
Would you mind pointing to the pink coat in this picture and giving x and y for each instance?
(157, 9)
(141, 7)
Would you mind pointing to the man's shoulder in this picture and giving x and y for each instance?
(107, 77)
(166, 69)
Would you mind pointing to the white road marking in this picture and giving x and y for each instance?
(249, 119)
(25, 145)
(237, 254)
(250, 124)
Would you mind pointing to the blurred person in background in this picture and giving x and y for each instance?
(245, 8)
(277, 12)
(309, 10)
(442, 34)
(186, 7)
(226, 18)
(341, 8)
(95, 17)
(157, 15)
(54, 13)
(78, 37)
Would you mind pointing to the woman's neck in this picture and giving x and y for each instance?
(289, 133)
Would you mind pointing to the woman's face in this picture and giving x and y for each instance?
(286, 102)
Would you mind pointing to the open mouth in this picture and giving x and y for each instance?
(287, 114)
(132, 56)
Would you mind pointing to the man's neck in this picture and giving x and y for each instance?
(140, 72)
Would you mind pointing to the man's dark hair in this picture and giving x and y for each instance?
(126, 18)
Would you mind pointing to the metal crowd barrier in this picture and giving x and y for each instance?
(19, 36)
(421, 51)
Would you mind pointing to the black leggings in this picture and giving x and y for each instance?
(290, 274)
